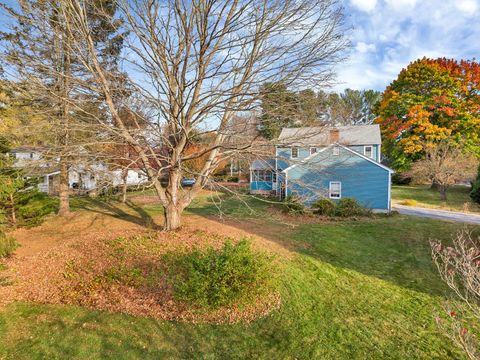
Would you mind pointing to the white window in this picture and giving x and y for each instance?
(294, 152)
(335, 190)
(368, 151)
(313, 150)
(336, 150)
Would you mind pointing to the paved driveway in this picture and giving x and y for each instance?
(438, 214)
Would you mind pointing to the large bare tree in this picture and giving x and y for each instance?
(196, 64)
(38, 50)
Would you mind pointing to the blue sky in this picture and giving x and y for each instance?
(388, 34)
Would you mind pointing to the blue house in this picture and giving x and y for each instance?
(332, 163)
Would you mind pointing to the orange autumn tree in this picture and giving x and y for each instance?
(431, 100)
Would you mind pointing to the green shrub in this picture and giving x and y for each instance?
(213, 278)
(399, 178)
(348, 207)
(293, 205)
(475, 193)
(323, 207)
(7, 244)
(33, 211)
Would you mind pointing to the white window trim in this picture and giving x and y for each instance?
(291, 152)
(314, 152)
(336, 151)
(330, 189)
(371, 151)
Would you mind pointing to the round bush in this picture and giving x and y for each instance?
(293, 205)
(323, 207)
(213, 278)
(347, 207)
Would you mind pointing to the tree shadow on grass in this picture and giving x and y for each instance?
(394, 248)
(128, 211)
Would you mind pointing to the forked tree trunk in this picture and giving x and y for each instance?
(64, 207)
(173, 217)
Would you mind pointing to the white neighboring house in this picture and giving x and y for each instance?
(81, 178)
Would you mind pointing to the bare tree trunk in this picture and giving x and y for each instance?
(14, 214)
(64, 208)
(124, 185)
(173, 217)
(442, 189)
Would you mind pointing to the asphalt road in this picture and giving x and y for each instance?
(438, 214)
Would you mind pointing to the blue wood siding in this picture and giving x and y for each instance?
(284, 154)
(360, 178)
(261, 185)
(360, 149)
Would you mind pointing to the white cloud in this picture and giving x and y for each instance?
(364, 5)
(400, 31)
(401, 4)
(467, 6)
(362, 47)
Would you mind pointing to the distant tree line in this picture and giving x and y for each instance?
(282, 107)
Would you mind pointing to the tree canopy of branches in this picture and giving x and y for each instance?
(194, 65)
(351, 107)
(281, 107)
(444, 164)
(38, 50)
(432, 99)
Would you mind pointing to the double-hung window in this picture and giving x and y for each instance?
(294, 152)
(313, 150)
(336, 150)
(368, 151)
(335, 190)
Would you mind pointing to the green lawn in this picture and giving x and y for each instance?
(458, 198)
(353, 290)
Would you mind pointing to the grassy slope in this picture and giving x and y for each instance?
(364, 289)
(457, 197)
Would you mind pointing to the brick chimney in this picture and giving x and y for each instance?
(334, 136)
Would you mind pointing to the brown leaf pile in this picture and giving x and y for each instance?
(69, 267)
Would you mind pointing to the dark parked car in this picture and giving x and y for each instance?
(188, 182)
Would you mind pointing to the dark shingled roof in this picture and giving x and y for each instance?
(320, 136)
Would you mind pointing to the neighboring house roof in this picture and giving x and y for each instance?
(324, 136)
(304, 161)
(261, 164)
(26, 149)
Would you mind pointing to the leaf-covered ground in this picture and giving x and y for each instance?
(350, 290)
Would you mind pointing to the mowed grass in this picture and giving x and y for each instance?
(458, 197)
(362, 289)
